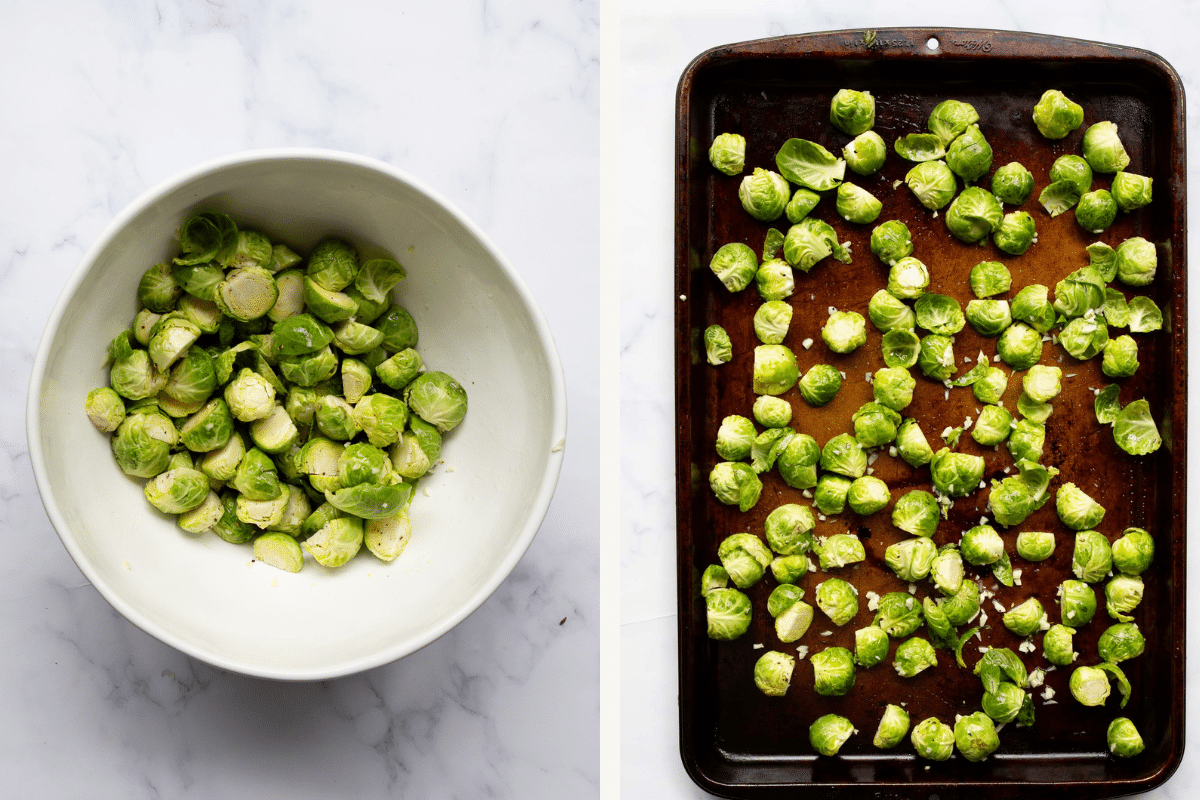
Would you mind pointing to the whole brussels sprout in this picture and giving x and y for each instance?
(1133, 553)
(893, 388)
(833, 672)
(1123, 594)
(820, 384)
(1027, 618)
(135, 377)
(1012, 183)
(1077, 509)
(844, 331)
(990, 386)
(809, 241)
(1084, 338)
(914, 656)
(911, 559)
(1016, 233)
(865, 153)
(735, 264)
(950, 118)
(939, 314)
(1080, 292)
(911, 444)
(798, 461)
(867, 495)
(839, 601)
(1042, 383)
(956, 474)
(973, 215)
(993, 426)
(782, 598)
(989, 278)
(969, 155)
(1092, 559)
(852, 112)
(933, 739)
(1131, 191)
(1095, 211)
(773, 673)
(843, 455)
(870, 646)
(1035, 545)
(908, 278)
(989, 317)
(975, 736)
(891, 241)
(764, 194)
(1089, 686)
(1137, 262)
(728, 614)
(933, 183)
(1056, 115)
(772, 412)
(735, 483)
(828, 733)
(1019, 346)
(735, 437)
(717, 347)
(1124, 741)
(1076, 603)
(887, 313)
(855, 204)
(839, 550)
(789, 529)
(981, 546)
(775, 369)
(789, 569)
(802, 203)
(1121, 642)
(1103, 149)
(962, 607)
(893, 725)
(875, 424)
(771, 321)
(1120, 357)
(831, 492)
(727, 153)
(916, 512)
(1075, 170)
(1058, 645)
(775, 280)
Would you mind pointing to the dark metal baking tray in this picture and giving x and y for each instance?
(735, 741)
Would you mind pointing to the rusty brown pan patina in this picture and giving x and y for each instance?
(735, 741)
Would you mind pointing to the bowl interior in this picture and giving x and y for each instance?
(473, 516)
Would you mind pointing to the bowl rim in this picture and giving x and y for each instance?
(340, 668)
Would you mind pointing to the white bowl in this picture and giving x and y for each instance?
(473, 517)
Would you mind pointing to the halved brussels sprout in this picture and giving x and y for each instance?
(1120, 357)
(1092, 559)
(946, 571)
(908, 278)
(990, 385)
(775, 369)
(875, 424)
(852, 112)
(178, 490)
(870, 646)
(962, 607)
(1026, 618)
(1042, 383)
(135, 377)
(898, 614)
(989, 278)
(933, 183)
(809, 241)
(802, 203)
(1137, 262)
(833, 671)
(1089, 686)
(974, 215)
(774, 280)
(142, 444)
(936, 357)
(767, 447)
(735, 483)
(981, 546)
(264, 513)
(950, 118)
(1035, 545)
(893, 725)
(794, 620)
(1095, 211)
(1056, 115)
(728, 614)
(337, 542)
(956, 474)
(789, 529)
(734, 438)
(1058, 645)
(717, 347)
(888, 313)
(735, 264)
(1103, 149)
(1032, 306)
(1076, 603)
(820, 384)
(1073, 169)
(839, 550)
(104, 409)
(855, 204)
(1123, 594)
(912, 445)
(1012, 183)
(246, 294)
(830, 495)
(772, 412)
(715, 577)
(993, 426)
(728, 153)
(436, 398)
(844, 331)
(1077, 510)
(1121, 642)
(797, 461)
(773, 673)
(828, 733)
(1131, 191)
(914, 656)
(844, 455)
(280, 551)
(911, 559)
(891, 241)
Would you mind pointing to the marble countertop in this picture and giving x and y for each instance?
(659, 38)
(496, 105)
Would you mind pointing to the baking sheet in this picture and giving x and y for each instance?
(739, 743)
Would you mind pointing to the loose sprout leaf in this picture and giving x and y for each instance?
(958, 646)
(810, 165)
(999, 664)
(1134, 429)
(1108, 404)
(1058, 197)
(1119, 676)
(1144, 315)
(920, 147)
(1003, 570)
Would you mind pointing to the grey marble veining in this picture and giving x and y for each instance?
(496, 105)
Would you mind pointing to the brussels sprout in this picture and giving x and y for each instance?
(875, 424)
(251, 250)
(728, 613)
(772, 412)
(1074, 170)
(309, 370)
(901, 348)
(933, 183)
(246, 294)
(728, 153)
(775, 369)
(1079, 293)
(914, 656)
(838, 600)
(955, 474)
(773, 673)
(772, 243)
(839, 551)
(975, 736)
(1058, 645)
(333, 264)
(250, 396)
(936, 357)
(782, 598)
(920, 147)
(870, 646)
(1131, 191)
(852, 112)
(263, 513)
(969, 155)
(865, 153)
(735, 264)
(105, 409)
(178, 490)
(774, 280)
(1124, 741)
(1032, 307)
(290, 300)
(989, 278)
(229, 527)
(911, 559)
(843, 455)
(204, 516)
(887, 313)
(1035, 545)
(1121, 642)
(170, 338)
(158, 290)
(798, 460)
(993, 426)
(208, 236)
(280, 551)
(933, 739)
(734, 438)
(973, 215)
(844, 331)
(829, 497)
(771, 322)
(907, 278)
(946, 571)
(337, 542)
(1032, 410)
(220, 463)
(1095, 211)
(1133, 553)
(1092, 560)
(1120, 357)
(397, 371)
(856, 204)
(893, 725)
(135, 377)
(717, 347)
(809, 241)
(256, 476)
(1123, 594)
(1089, 686)
(989, 317)
(142, 444)
(1076, 603)
(1103, 149)
(1115, 308)
(1042, 383)
(833, 671)
(192, 379)
(296, 511)
(810, 165)
(436, 398)
(1137, 262)
(1077, 509)
(204, 314)
(939, 314)
(794, 620)
(275, 433)
(867, 495)
(789, 569)
(767, 446)
(1056, 115)
(828, 733)
(363, 463)
(891, 241)
(893, 388)
(962, 607)
(981, 545)
(735, 484)
(990, 386)
(898, 614)
(1016, 233)
(1019, 346)
(764, 194)
(335, 418)
(383, 417)
(912, 445)
(950, 118)
(1025, 619)
(1012, 183)
(1059, 197)
(1144, 315)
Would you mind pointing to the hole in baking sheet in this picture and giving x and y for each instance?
(932, 44)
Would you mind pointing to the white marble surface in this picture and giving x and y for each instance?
(659, 39)
(496, 105)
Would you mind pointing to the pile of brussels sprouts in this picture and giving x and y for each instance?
(271, 399)
(837, 475)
